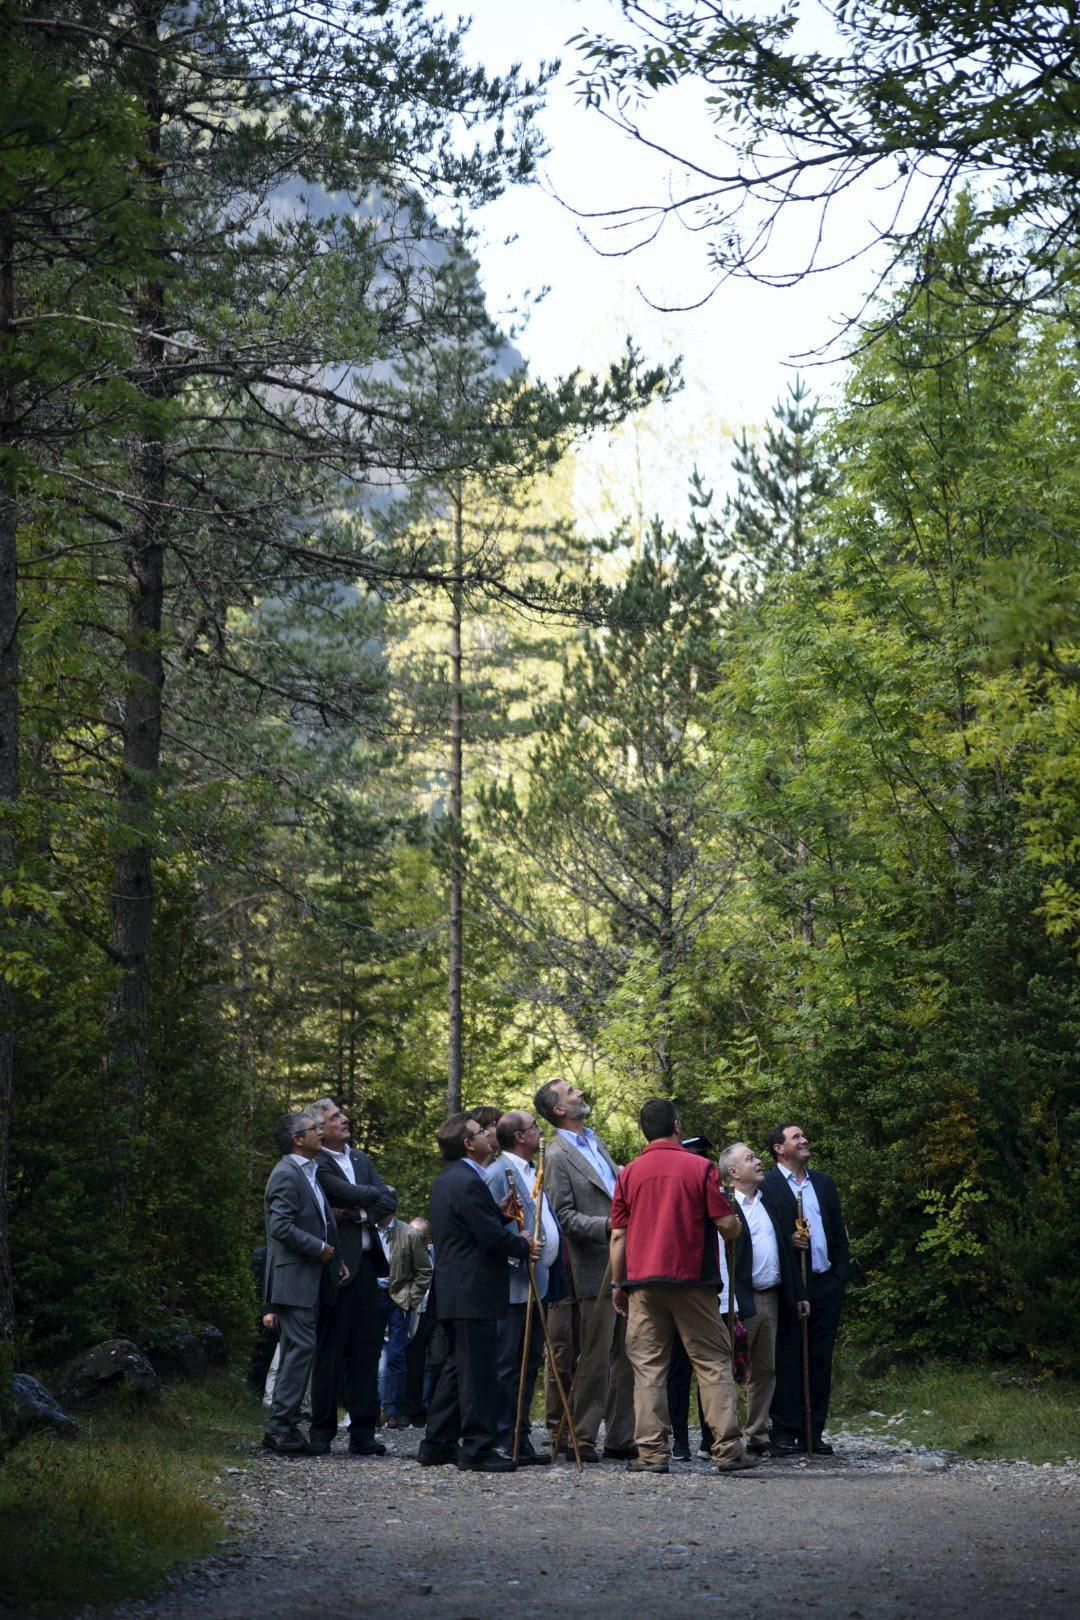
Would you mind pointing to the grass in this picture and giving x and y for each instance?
(104, 1518)
(971, 1410)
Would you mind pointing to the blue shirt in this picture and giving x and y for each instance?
(819, 1249)
(589, 1147)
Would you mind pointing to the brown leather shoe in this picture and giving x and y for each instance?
(620, 1453)
(648, 1465)
(589, 1453)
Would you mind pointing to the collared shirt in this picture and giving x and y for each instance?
(669, 1201)
(587, 1145)
(548, 1224)
(308, 1167)
(819, 1249)
(763, 1244)
(344, 1162)
(477, 1168)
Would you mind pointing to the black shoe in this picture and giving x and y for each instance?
(786, 1448)
(823, 1449)
(318, 1447)
(288, 1445)
(486, 1462)
(758, 1448)
(528, 1458)
(680, 1451)
(431, 1455)
(620, 1453)
(366, 1448)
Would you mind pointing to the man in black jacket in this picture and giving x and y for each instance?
(828, 1274)
(473, 1240)
(350, 1330)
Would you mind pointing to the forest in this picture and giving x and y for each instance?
(338, 758)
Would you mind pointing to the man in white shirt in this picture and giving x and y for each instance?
(518, 1136)
(789, 1183)
(766, 1284)
(301, 1266)
(580, 1182)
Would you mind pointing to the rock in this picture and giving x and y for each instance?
(35, 1408)
(878, 1362)
(213, 1342)
(101, 1375)
(178, 1350)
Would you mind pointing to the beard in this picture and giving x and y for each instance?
(581, 1110)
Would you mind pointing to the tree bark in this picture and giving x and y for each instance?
(456, 1042)
(132, 896)
(9, 743)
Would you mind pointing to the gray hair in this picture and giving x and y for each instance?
(290, 1125)
(319, 1110)
(727, 1157)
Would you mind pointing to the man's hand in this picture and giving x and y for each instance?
(536, 1249)
(508, 1206)
(800, 1240)
(345, 1275)
(327, 1253)
(802, 1309)
(620, 1300)
(346, 1215)
(270, 1320)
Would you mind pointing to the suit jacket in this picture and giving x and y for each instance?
(790, 1283)
(295, 1273)
(524, 1178)
(472, 1246)
(781, 1204)
(582, 1206)
(410, 1267)
(370, 1197)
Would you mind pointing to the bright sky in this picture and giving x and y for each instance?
(734, 348)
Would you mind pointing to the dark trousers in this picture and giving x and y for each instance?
(465, 1405)
(679, 1375)
(415, 1364)
(396, 1325)
(511, 1335)
(347, 1348)
(826, 1293)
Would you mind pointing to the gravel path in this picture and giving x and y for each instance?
(878, 1530)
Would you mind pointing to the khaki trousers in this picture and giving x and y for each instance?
(761, 1339)
(605, 1382)
(655, 1312)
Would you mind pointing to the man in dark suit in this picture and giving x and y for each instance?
(473, 1241)
(828, 1274)
(302, 1268)
(350, 1330)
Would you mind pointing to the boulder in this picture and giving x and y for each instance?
(213, 1342)
(878, 1362)
(100, 1376)
(35, 1408)
(178, 1350)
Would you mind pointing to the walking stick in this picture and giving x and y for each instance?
(519, 1220)
(802, 1227)
(584, 1356)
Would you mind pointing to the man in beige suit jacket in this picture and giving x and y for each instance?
(580, 1180)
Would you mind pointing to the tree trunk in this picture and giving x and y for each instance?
(453, 1089)
(9, 744)
(132, 898)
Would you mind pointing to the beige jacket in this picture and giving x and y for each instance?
(582, 1206)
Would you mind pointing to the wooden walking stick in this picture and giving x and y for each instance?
(802, 1229)
(518, 1217)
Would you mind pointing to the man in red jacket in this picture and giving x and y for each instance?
(667, 1210)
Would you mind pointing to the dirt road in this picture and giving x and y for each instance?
(876, 1531)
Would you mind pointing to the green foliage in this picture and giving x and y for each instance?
(131, 1498)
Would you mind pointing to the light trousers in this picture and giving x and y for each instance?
(657, 1311)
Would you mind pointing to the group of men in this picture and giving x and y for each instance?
(623, 1273)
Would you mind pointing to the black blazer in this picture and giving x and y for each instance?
(370, 1194)
(790, 1282)
(472, 1245)
(780, 1202)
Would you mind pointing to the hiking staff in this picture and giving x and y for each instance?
(802, 1230)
